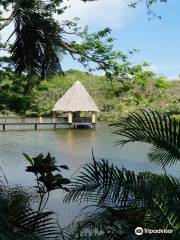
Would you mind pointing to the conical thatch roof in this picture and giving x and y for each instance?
(76, 99)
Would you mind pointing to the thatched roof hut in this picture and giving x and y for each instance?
(76, 99)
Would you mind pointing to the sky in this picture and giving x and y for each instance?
(158, 40)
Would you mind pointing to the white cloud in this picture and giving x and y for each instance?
(103, 13)
(99, 14)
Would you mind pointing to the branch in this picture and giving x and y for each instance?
(106, 67)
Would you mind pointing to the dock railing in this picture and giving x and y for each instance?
(32, 120)
(37, 121)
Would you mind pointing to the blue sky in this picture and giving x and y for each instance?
(157, 40)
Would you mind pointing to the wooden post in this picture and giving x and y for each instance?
(4, 127)
(40, 119)
(93, 118)
(54, 117)
(35, 126)
(70, 118)
(54, 125)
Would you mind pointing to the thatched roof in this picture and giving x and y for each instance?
(76, 99)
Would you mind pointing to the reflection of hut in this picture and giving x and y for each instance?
(75, 101)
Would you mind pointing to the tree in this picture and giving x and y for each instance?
(148, 4)
(41, 41)
(160, 84)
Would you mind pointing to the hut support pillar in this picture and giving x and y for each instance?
(70, 118)
(93, 118)
(40, 119)
(54, 117)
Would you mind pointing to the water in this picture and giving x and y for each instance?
(72, 147)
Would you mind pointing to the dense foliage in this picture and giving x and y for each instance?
(155, 93)
(119, 200)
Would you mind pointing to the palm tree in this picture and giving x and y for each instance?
(119, 200)
(36, 50)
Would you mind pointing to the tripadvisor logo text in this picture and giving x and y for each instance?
(140, 231)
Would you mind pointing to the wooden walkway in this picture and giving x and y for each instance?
(46, 122)
(35, 125)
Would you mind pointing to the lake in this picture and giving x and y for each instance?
(72, 147)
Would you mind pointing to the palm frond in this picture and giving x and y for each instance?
(160, 130)
(80, 228)
(100, 181)
(171, 214)
(37, 49)
(30, 222)
(120, 199)
(19, 221)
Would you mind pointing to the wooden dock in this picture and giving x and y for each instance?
(35, 125)
(46, 122)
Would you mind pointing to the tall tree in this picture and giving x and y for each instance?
(41, 41)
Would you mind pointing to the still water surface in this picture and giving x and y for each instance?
(72, 147)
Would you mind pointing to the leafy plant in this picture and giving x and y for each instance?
(47, 181)
(158, 129)
(18, 220)
(17, 217)
(38, 38)
(119, 200)
(43, 169)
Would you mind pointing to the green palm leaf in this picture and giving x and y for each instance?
(120, 199)
(160, 130)
(19, 221)
(39, 41)
(99, 181)
(28, 222)
(37, 48)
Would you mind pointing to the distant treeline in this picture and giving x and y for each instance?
(113, 100)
